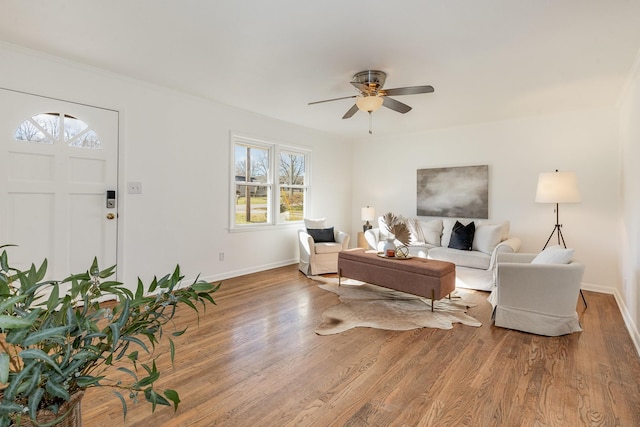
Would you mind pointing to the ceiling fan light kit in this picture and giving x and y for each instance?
(371, 96)
(369, 103)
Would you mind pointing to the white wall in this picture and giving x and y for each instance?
(516, 152)
(630, 223)
(177, 145)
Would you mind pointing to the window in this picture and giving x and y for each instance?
(293, 188)
(44, 128)
(262, 170)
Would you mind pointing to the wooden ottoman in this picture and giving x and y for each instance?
(418, 276)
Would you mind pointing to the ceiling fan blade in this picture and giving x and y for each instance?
(351, 112)
(329, 100)
(395, 105)
(411, 90)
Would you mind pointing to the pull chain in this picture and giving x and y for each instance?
(370, 121)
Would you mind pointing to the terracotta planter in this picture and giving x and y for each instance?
(72, 409)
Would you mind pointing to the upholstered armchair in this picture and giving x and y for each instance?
(539, 298)
(319, 247)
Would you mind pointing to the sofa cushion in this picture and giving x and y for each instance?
(487, 237)
(314, 223)
(462, 236)
(322, 235)
(328, 248)
(473, 259)
(554, 255)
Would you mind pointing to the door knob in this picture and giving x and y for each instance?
(110, 216)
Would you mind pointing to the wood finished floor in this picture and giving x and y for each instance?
(254, 360)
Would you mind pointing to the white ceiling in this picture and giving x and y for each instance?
(487, 59)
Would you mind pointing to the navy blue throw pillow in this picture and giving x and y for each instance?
(462, 236)
(321, 235)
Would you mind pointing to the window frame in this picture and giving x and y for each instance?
(272, 183)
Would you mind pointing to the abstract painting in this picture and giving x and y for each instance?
(456, 192)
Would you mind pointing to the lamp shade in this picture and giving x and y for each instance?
(557, 187)
(367, 214)
(369, 103)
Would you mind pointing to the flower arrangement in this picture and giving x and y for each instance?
(54, 344)
(398, 227)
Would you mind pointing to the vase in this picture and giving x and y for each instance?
(71, 411)
(389, 248)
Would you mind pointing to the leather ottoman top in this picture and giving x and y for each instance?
(426, 267)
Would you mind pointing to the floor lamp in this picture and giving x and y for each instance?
(558, 187)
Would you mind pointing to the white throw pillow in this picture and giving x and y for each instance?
(487, 238)
(314, 223)
(432, 231)
(415, 230)
(505, 227)
(554, 255)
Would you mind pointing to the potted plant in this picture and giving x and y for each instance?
(55, 344)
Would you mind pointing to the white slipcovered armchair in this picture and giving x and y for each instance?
(320, 255)
(539, 298)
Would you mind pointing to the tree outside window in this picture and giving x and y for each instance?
(292, 186)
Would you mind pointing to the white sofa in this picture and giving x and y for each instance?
(430, 239)
(539, 298)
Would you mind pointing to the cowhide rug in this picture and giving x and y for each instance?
(366, 305)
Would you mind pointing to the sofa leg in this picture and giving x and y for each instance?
(583, 300)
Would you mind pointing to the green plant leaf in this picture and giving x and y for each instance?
(137, 341)
(11, 390)
(202, 287)
(56, 389)
(7, 407)
(107, 272)
(44, 334)
(4, 367)
(153, 285)
(115, 334)
(32, 382)
(34, 353)
(10, 302)
(173, 396)
(179, 333)
(124, 404)
(52, 303)
(13, 322)
(4, 261)
(128, 371)
(34, 401)
(42, 271)
(155, 399)
(87, 381)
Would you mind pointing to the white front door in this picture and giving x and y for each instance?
(58, 160)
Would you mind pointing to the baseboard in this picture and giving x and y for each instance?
(244, 271)
(626, 316)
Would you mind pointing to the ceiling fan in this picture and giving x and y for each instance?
(371, 96)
